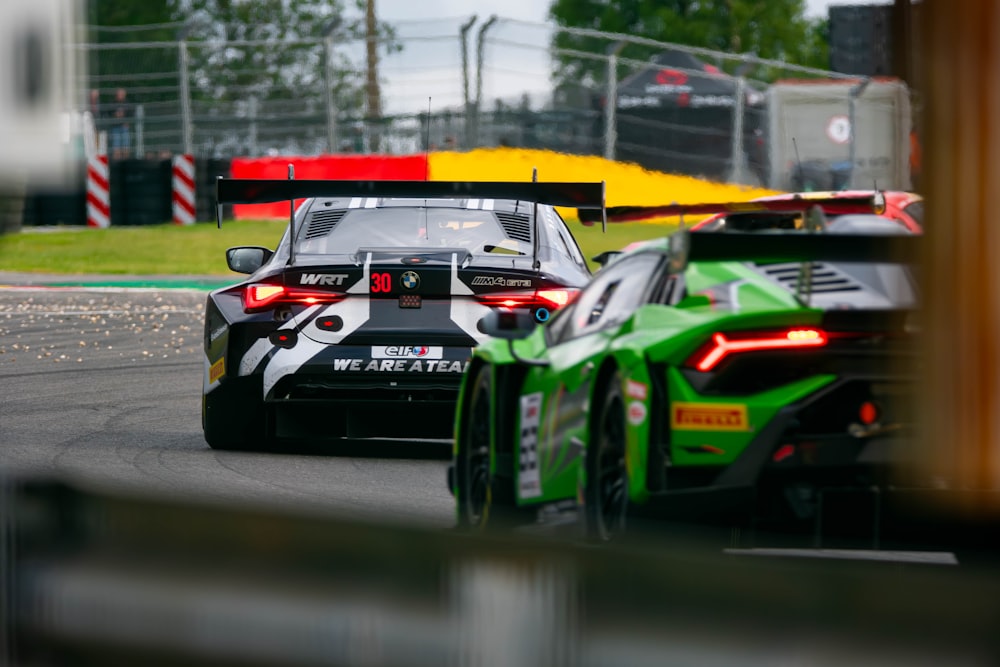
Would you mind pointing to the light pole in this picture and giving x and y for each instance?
(480, 49)
(373, 96)
(611, 101)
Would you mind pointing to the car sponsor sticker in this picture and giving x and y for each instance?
(218, 331)
(709, 417)
(217, 370)
(500, 281)
(636, 413)
(400, 366)
(322, 278)
(636, 390)
(529, 479)
(407, 352)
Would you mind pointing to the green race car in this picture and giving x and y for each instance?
(706, 376)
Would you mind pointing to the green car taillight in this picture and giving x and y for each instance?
(722, 345)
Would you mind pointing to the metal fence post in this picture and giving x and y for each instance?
(738, 158)
(140, 131)
(463, 35)
(611, 101)
(185, 98)
(852, 100)
(252, 130)
(331, 112)
(480, 49)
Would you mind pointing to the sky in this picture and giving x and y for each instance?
(526, 10)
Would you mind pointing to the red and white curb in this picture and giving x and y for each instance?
(183, 189)
(98, 192)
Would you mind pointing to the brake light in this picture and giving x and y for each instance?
(720, 346)
(543, 298)
(264, 295)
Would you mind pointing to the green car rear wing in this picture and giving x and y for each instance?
(841, 205)
(688, 246)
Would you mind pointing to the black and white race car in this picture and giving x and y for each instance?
(362, 321)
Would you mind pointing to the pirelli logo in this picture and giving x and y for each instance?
(217, 370)
(709, 417)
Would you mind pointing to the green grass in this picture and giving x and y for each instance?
(200, 249)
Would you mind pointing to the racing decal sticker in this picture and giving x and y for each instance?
(217, 332)
(407, 352)
(465, 313)
(410, 280)
(636, 413)
(709, 417)
(217, 371)
(529, 483)
(500, 281)
(400, 365)
(636, 390)
(322, 278)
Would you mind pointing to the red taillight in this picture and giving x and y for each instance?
(868, 413)
(721, 346)
(263, 296)
(552, 299)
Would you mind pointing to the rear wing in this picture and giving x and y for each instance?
(584, 196)
(873, 203)
(689, 246)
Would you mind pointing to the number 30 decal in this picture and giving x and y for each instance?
(381, 283)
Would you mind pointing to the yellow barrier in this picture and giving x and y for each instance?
(626, 183)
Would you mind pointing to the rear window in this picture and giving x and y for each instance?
(479, 232)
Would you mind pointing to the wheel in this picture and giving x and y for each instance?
(606, 490)
(472, 466)
(231, 422)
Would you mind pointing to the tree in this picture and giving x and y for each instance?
(772, 29)
(265, 58)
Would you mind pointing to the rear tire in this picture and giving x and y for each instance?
(231, 423)
(475, 479)
(606, 491)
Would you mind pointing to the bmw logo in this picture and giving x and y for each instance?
(410, 280)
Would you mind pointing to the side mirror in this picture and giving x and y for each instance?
(603, 258)
(247, 259)
(508, 324)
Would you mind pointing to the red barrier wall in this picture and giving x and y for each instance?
(354, 167)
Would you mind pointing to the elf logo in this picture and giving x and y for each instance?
(322, 278)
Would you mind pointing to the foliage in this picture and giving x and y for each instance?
(775, 29)
(241, 52)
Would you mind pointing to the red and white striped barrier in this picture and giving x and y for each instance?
(183, 189)
(98, 192)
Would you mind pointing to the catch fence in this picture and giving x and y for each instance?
(461, 83)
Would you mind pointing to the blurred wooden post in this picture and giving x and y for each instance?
(960, 407)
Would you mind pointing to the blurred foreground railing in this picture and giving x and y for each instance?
(100, 579)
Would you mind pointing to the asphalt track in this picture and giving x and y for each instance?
(100, 384)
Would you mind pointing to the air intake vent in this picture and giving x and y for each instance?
(322, 223)
(825, 277)
(516, 225)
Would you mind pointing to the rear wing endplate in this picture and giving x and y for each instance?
(584, 196)
(873, 203)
